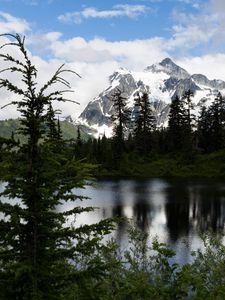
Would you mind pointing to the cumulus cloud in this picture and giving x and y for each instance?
(9, 23)
(193, 3)
(205, 28)
(122, 10)
(95, 59)
(136, 54)
(211, 65)
(217, 7)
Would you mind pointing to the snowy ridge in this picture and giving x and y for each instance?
(162, 81)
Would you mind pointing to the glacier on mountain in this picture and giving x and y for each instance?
(162, 81)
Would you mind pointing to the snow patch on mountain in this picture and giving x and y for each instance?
(162, 81)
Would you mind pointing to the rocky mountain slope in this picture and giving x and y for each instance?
(162, 81)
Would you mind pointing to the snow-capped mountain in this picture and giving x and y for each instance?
(162, 81)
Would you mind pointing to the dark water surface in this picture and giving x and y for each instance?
(174, 210)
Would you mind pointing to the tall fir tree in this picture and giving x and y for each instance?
(217, 110)
(180, 125)
(187, 100)
(39, 248)
(145, 123)
(121, 117)
(78, 143)
(52, 126)
(176, 124)
(190, 122)
(204, 130)
(211, 126)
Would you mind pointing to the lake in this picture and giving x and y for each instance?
(176, 210)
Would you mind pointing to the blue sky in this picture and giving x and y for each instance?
(99, 36)
(111, 19)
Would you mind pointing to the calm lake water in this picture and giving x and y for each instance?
(174, 210)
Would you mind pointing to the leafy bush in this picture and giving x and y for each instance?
(146, 272)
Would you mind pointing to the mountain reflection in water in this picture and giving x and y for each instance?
(174, 210)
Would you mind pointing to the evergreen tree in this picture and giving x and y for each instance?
(121, 117)
(106, 152)
(39, 249)
(211, 126)
(78, 144)
(145, 123)
(217, 112)
(52, 127)
(187, 100)
(176, 124)
(189, 122)
(204, 130)
(180, 124)
(59, 130)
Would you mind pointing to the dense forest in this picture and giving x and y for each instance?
(43, 254)
(190, 146)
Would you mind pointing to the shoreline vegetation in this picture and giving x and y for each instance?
(173, 165)
(202, 166)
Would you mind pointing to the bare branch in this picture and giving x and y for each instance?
(60, 93)
(11, 87)
(65, 100)
(64, 82)
(56, 78)
(7, 57)
(11, 103)
(9, 44)
(73, 101)
(12, 69)
(70, 71)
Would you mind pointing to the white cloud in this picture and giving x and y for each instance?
(97, 58)
(193, 3)
(136, 54)
(211, 65)
(217, 7)
(205, 28)
(94, 60)
(40, 42)
(122, 10)
(9, 24)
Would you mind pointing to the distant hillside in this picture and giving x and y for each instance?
(69, 130)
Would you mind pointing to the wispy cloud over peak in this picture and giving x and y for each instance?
(120, 10)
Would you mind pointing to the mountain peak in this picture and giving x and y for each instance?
(167, 62)
(162, 81)
(122, 70)
(170, 68)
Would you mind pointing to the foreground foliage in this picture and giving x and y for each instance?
(40, 247)
(149, 272)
